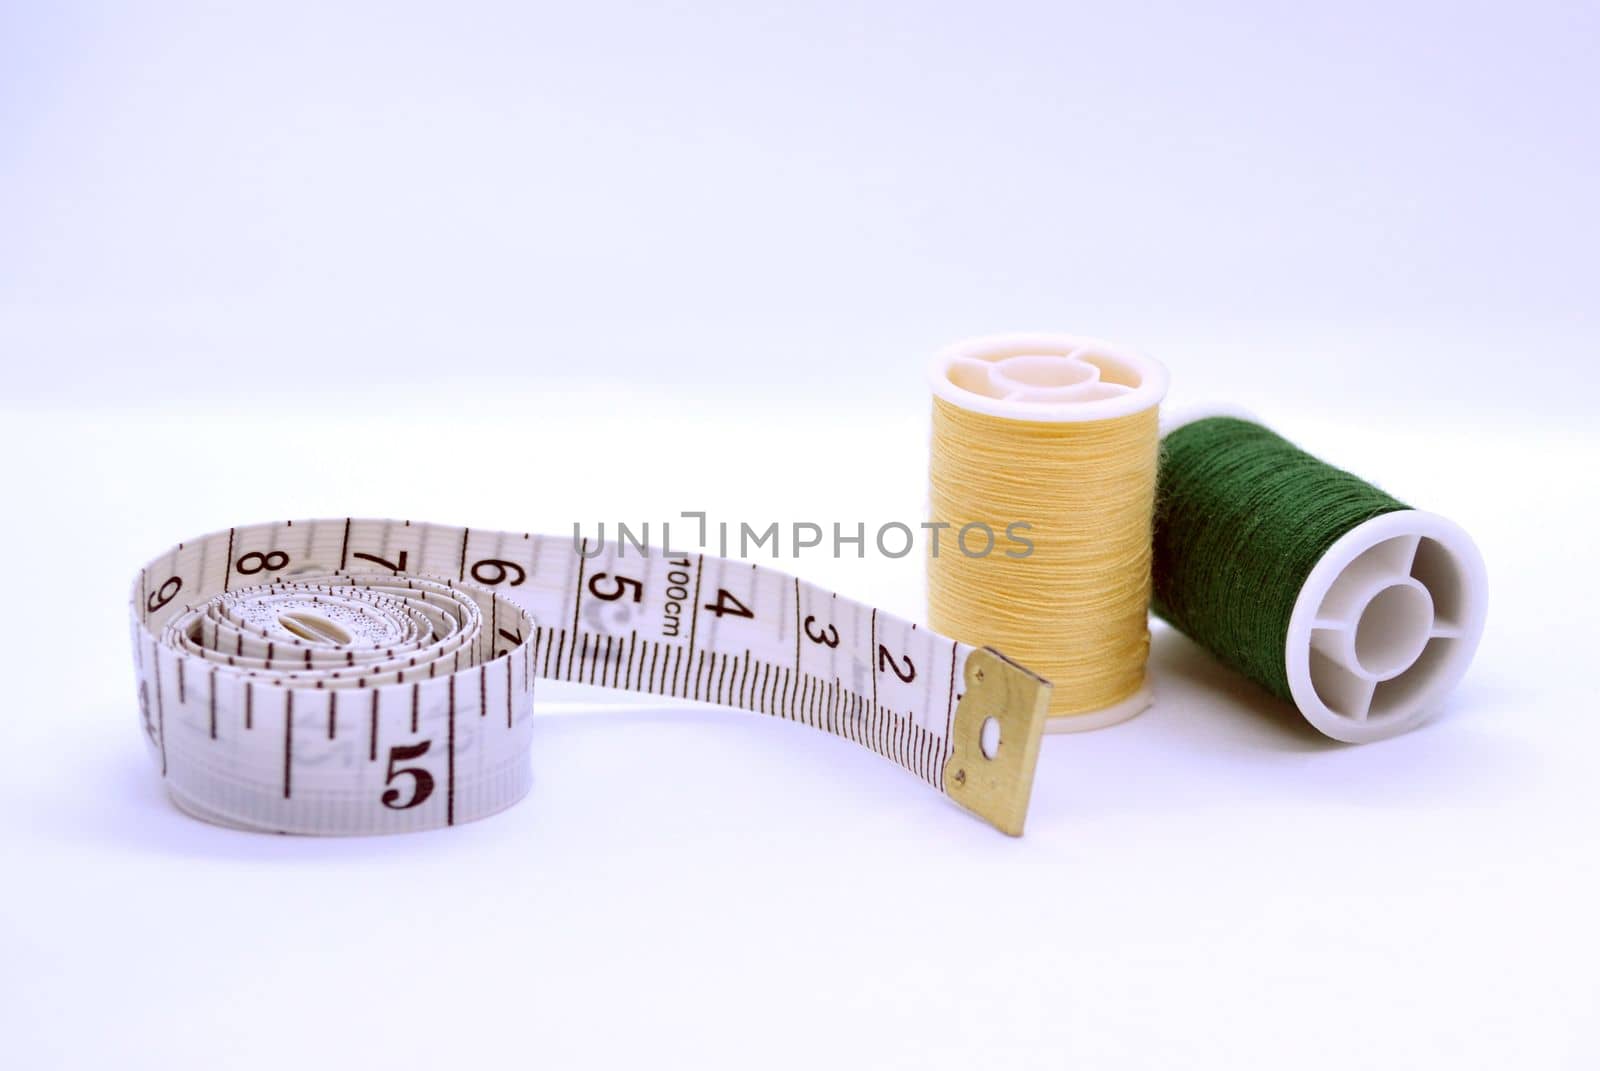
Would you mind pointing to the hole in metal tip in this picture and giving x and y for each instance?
(989, 737)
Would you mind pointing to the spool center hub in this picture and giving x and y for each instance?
(1393, 629)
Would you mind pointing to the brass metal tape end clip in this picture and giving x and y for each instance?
(999, 718)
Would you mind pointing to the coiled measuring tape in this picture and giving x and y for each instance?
(373, 676)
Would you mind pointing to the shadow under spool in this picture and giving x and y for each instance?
(1050, 442)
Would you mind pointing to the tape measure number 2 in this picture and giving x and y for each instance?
(371, 676)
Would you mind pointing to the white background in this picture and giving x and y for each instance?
(521, 265)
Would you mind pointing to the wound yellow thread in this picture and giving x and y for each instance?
(1075, 609)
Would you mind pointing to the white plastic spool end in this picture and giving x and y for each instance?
(1047, 378)
(1052, 378)
(1118, 712)
(1385, 625)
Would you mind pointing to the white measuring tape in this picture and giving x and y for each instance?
(372, 676)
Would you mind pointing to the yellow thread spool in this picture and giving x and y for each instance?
(1059, 433)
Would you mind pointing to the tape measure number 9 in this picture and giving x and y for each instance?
(371, 676)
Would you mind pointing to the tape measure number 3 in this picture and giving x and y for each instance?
(369, 676)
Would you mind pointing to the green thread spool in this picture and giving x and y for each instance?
(1316, 585)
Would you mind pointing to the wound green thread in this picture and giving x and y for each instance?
(1242, 516)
